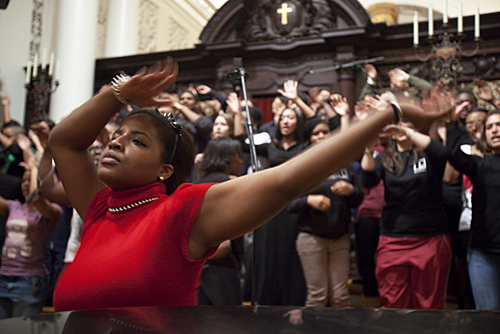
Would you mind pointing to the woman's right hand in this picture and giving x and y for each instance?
(145, 86)
(318, 202)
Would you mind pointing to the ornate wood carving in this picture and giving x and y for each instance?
(277, 20)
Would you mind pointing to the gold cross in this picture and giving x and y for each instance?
(283, 11)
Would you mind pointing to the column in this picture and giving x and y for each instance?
(75, 48)
(122, 28)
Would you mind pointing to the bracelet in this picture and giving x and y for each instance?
(398, 112)
(116, 84)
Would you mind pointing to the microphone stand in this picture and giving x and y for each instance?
(237, 77)
(346, 65)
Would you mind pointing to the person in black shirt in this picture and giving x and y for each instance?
(220, 278)
(484, 173)
(323, 241)
(414, 253)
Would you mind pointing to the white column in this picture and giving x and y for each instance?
(75, 48)
(122, 28)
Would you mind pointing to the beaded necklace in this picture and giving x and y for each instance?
(131, 206)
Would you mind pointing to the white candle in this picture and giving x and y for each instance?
(445, 12)
(415, 28)
(44, 58)
(28, 73)
(51, 63)
(431, 21)
(35, 66)
(476, 22)
(460, 24)
(58, 68)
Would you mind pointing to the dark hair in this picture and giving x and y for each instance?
(3, 158)
(391, 158)
(218, 154)
(304, 97)
(49, 122)
(298, 129)
(11, 124)
(183, 160)
(256, 114)
(283, 99)
(310, 125)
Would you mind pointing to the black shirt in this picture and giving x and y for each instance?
(333, 222)
(484, 173)
(414, 198)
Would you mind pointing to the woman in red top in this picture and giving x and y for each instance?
(141, 246)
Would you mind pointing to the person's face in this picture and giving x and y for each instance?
(221, 128)
(288, 122)
(492, 132)
(9, 132)
(319, 133)
(133, 156)
(188, 100)
(466, 97)
(474, 123)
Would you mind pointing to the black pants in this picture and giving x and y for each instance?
(367, 233)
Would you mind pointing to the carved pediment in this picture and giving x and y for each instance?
(278, 20)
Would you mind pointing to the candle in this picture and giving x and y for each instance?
(44, 58)
(58, 68)
(28, 73)
(445, 12)
(35, 66)
(431, 21)
(51, 63)
(476, 22)
(460, 22)
(415, 28)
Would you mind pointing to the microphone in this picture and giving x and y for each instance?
(346, 65)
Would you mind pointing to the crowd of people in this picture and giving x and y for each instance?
(118, 205)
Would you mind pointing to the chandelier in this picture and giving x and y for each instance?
(446, 48)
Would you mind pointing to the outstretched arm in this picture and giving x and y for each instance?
(70, 139)
(251, 200)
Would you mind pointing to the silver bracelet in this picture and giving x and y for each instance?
(398, 112)
(116, 84)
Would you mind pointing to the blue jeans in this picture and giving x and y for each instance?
(484, 272)
(22, 295)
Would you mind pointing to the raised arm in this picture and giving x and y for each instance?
(290, 92)
(6, 109)
(341, 107)
(70, 139)
(233, 104)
